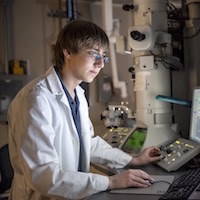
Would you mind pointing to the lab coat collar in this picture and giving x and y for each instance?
(53, 81)
(56, 88)
(55, 85)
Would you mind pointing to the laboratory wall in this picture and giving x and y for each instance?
(30, 30)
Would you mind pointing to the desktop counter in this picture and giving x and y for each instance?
(152, 169)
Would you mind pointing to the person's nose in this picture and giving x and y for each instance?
(100, 63)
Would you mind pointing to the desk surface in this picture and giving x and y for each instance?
(152, 169)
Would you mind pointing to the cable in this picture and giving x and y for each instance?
(192, 36)
(162, 181)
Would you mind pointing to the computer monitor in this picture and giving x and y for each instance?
(195, 116)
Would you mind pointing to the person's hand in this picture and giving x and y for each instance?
(150, 154)
(129, 178)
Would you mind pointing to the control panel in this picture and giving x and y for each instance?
(127, 139)
(173, 156)
(117, 136)
(178, 153)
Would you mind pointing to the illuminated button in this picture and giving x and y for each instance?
(173, 159)
(177, 142)
(190, 146)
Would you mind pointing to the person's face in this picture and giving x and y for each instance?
(86, 65)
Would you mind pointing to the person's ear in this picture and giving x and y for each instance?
(66, 53)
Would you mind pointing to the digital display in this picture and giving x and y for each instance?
(195, 116)
(135, 141)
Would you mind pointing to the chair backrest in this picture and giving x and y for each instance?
(6, 169)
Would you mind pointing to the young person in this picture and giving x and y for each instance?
(51, 138)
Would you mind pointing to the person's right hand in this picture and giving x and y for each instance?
(129, 178)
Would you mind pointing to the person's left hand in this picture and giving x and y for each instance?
(150, 154)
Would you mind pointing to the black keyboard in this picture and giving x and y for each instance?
(183, 186)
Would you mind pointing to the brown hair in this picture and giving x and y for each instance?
(76, 35)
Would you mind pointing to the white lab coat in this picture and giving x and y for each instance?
(44, 144)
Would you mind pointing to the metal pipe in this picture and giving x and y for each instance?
(5, 28)
(107, 15)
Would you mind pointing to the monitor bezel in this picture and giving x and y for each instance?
(192, 134)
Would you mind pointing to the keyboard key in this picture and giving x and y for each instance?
(183, 187)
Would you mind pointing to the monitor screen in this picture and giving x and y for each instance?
(135, 141)
(195, 116)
